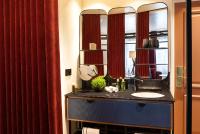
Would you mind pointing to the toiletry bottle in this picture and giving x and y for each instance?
(118, 84)
(73, 89)
(123, 85)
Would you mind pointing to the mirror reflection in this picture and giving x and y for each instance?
(152, 41)
(122, 41)
(93, 37)
(109, 41)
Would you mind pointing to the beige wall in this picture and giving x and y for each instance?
(69, 11)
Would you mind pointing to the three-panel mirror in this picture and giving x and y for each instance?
(126, 43)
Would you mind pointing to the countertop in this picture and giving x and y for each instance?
(124, 95)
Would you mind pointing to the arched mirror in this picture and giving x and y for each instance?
(152, 55)
(121, 41)
(93, 39)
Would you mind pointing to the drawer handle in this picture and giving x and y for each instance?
(90, 100)
(141, 104)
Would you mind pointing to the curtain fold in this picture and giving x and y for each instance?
(93, 57)
(30, 92)
(100, 69)
(116, 45)
(142, 55)
(91, 30)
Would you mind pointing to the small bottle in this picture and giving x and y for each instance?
(123, 85)
(118, 85)
(73, 89)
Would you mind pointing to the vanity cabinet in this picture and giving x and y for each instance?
(122, 112)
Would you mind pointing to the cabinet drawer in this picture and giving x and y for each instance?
(123, 112)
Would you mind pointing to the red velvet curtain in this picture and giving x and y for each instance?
(91, 33)
(93, 57)
(116, 43)
(100, 69)
(30, 93)
(142, 55)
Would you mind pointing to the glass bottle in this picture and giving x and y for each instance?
(118, 84)
(123, 85)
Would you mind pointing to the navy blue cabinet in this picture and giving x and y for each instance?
(147, 114)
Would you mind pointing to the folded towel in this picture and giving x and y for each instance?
(115, 89)
(111, 89)
(108, 89)
(86, 130)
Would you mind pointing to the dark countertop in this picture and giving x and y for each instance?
(125, 95)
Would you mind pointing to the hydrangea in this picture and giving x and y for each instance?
(98, 83)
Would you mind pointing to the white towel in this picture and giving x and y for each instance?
(86, 130)
(111, 89)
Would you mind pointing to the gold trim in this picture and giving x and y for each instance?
(121, 99)
(172, 117)
(108, 123)
(67, 115)
(67, 107)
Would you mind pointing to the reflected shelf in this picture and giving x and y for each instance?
(149, 77)
(95, 64)
(150, 48)
(95, 50)
(150, 64)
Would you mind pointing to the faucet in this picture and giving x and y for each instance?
(140, 80)
(136, 82)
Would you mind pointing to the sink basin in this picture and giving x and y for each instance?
(147, 95)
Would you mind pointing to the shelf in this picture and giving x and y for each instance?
(76, 127)
(164, 41)
(148, 77)
(150, 48)
(96, 64)
(95, 50)
(130, 43)
(150, 64)
(163, 75)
